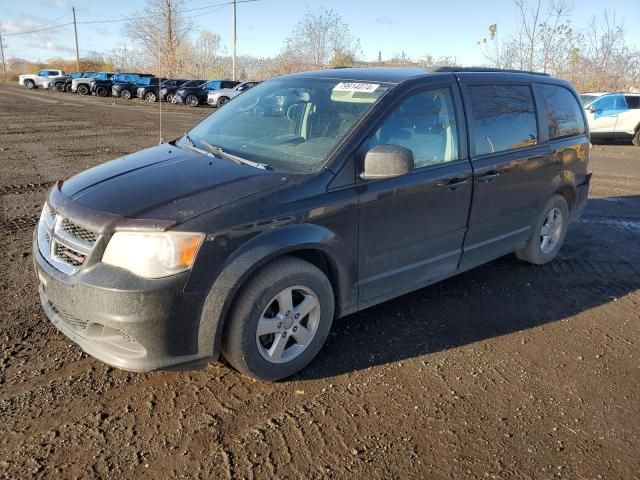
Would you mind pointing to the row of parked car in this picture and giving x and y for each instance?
(192, 92)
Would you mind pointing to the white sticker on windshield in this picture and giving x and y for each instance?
(356, 87)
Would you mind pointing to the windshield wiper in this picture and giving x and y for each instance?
(215, 150)
(192, 146)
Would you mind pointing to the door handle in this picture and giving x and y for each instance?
(454, 183)
(489, 176)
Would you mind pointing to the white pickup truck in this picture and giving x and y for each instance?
(41, 79)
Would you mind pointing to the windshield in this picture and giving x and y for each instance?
(288, 124)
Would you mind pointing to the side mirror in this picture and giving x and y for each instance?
(386, 161)
(591, 108)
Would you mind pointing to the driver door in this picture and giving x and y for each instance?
(411, 227)
(602, 114)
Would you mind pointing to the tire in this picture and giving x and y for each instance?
(30, 84)
(126, 94)
(257, 305)
(171, 98)
(102, 92)
(150, 97)
(222, 101)
(60, 87)
(83, 89)
(553, 220)
(636, 138)
(192, 101)
(68, 89)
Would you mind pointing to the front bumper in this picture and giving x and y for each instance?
(178, 98)
(123, 320)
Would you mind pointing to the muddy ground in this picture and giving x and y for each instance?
(508, 370)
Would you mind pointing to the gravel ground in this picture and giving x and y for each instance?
(508, 370)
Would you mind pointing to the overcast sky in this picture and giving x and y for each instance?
(417, 27)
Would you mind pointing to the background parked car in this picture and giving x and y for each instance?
(40, 79)
(82, 85)
(194, 96)
(148, 88)
(63, 84)
(615, 116)
(124, 84)
(169, 88)
(217, 98)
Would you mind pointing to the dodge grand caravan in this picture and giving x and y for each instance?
(248, 235)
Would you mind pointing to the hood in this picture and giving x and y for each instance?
(166, 183)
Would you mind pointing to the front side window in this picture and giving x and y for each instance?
(609, 105)
(564, 114)
(289, 124)
(424, 123)
(504, 118)
(43, 73)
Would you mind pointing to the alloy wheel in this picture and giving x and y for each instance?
(551, 230)
(288, 324)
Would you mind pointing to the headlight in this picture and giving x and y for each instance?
(153, 255)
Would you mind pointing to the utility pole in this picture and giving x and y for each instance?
(4, 68)
(234, 40)
(75, 30)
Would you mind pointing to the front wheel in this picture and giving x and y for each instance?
(192, 101)
(222, 101)
(102, 92)
(150, 97)
(549, 233)
(126, 94)
(59, 87)
(171, 98)
(83, 89)
(30, 84)
(68, 89)
(636, 138)
(280, 320)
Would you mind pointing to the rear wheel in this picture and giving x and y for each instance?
(68, 89)
(222, 101)
(549, 232)
(102, 92)
(280, 320)
(150, 97)
(29, 84)
(192, 101)
(126, 94)
(636, 138)
(83, 89)
(171, 98)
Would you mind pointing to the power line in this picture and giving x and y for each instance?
(213, 7)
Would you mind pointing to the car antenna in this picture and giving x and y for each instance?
(160, 102)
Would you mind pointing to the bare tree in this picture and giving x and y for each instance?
(319, 39)
(161, 29)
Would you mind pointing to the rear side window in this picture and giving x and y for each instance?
(564, 115)
(504, 118)
(633, 101)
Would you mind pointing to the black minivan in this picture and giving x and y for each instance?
(248, 235)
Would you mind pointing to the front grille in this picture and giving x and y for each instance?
(63, 243)
(67, 255)
(73, 322)
(79, 232)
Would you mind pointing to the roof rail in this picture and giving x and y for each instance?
(485, 69)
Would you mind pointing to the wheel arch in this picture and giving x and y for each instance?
(311, 243)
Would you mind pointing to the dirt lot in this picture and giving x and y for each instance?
(508, 370)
